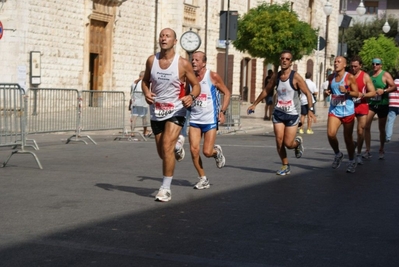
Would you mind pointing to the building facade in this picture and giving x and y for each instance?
(104, 44)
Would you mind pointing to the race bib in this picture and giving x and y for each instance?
(338, 100)
(376, 98)
(163, 109)
(285, 105)
(357, 100)
(201, 101)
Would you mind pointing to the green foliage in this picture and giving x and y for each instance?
(361, 31)
(381, 47)
(267, 30)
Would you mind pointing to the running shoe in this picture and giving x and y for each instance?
(359, 160)
(179, 149)
(299, 149)
(351, 166)
(220, 159)
(301, 131)
(366, 155)
(285, 170)
(309, 131)
(163, 195)
(202, 184)
(337, 160)
(381, 154)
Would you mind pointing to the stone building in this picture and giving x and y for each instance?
(103, 44)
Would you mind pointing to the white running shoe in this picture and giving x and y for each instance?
(351, 166)
(366, 155)
(337, 160)
(381, 154)
(359, 159)
(179, 149)
(164, 195)
(300, 148)
(220, 159)
(202, 184)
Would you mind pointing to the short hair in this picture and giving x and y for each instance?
(358, 59)
(204, 58)
(308, 75)
(285, 52)
(270, 72)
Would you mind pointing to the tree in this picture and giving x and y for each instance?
(381, 47)
(361, 31)
(267, 30)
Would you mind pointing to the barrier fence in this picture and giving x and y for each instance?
(63, 110)
(46, 110)
(233, 111)
(134, 129)
(13, 103)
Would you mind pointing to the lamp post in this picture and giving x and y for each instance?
(397, 35)
(361, 10)
(386, 28)
(327, 10)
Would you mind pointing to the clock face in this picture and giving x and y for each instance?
(190, 41)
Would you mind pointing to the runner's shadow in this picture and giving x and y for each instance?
(250, 169)
(145, 192)
(174, 182)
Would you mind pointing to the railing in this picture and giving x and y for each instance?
(63, 110)
(139, 117)
(13, 103)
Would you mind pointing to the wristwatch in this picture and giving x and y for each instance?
(193, 97)
(223, 111)
(385, 90)
(311, 109)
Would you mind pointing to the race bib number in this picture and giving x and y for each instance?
(200, 101)
(376, 98)
(163, 109)
(285, 105)
(338, 100)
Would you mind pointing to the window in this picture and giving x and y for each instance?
(371, 7)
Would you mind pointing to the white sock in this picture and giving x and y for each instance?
(167, 181)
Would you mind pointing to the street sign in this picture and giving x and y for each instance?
(1, 30)
(322, 43)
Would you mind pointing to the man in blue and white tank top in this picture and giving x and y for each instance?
(342, 88)
(206, 113)
(287, 109)
(164, 79)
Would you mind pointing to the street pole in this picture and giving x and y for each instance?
(325, 49)
(317, 64)
(226, 61)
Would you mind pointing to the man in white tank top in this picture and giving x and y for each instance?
(206, 113)
(287, 109)
(164, 80)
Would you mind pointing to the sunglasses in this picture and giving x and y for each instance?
(376, 64)
(286, 58)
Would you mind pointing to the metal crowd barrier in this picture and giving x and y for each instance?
(233, 111)
(102, 110)
(63, 110)
(13, 117)
(135, 133)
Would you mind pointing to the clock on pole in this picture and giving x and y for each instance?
(190, 41)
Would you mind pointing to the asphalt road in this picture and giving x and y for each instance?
(93, 205)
